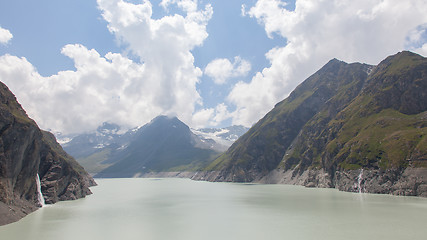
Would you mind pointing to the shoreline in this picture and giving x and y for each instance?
(407, 182)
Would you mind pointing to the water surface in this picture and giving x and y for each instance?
(167, 209)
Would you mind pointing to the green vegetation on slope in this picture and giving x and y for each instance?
(95, 163)
(388, 139)
(262, 148)
(382, 127)
(345, 116)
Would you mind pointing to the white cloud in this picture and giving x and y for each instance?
(422, 50)
(112, 87)
(101, 89)
(221, 69)
(221, 114)
(186, 5)
(202, 117)
(417, 40)
(315, 32)
(5, 36)
(211, 116)
(243, 10)
(164, 45)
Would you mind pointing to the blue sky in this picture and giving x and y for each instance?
(76, 64)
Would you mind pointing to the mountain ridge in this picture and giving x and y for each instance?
(100, 149)
(272, 135)
(344, 123)
(164, 144)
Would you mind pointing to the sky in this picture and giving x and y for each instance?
(74, 64)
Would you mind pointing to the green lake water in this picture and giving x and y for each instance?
(169, 209)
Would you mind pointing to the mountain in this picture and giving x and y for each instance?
(94, 150)
(29, 155)
(100, 149)
(262, 148)
(354, 127)
(87, 144)
(163, 145)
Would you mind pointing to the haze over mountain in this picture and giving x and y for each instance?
(354, 127)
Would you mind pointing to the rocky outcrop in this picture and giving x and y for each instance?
(27, 152)
(404, 182)
(62, 178)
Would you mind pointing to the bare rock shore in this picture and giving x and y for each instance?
(407, 182)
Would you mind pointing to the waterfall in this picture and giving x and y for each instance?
(39, 191)
(359, 181)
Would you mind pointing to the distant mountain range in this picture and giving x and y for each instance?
(354, 127)
(164, 144)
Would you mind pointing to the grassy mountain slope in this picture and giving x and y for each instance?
(342, 119)
(386, 125)
(262, 148)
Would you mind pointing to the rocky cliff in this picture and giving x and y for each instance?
(28, 154)
(354, 127)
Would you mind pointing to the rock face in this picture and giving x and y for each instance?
(406, 182)
(27, 152)
(347, 125)
(62, 178)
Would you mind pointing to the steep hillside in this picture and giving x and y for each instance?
(261, 149)
(381, 128)
(28, 154)
(164, 144)
(367, 133)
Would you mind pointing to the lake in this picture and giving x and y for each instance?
(166, 209)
